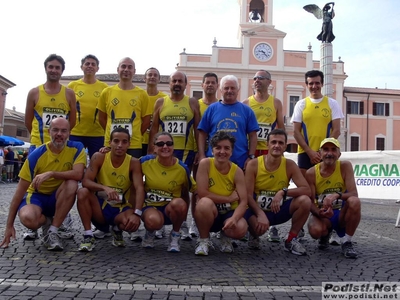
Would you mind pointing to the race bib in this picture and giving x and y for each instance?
(47, 117)
(127, 126)
(223, 207)
(154, 197)
(263, 132)
(176, 127)
(264, 202)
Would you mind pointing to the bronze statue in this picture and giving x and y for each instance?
(326, 14)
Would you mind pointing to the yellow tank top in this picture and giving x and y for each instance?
(203, 107)
(163, 183)
(47, 108)
(317, 123)
(116, 178)
(125, 108)
(267, 183)
(152, 101)
(177, 119)
(266, 117)
(328, 185)
(222, 185)
(87, 118)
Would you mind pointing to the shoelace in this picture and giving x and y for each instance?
(51, 236)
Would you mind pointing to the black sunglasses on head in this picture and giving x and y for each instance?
(161, 144)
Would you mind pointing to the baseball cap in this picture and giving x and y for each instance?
(330, 140)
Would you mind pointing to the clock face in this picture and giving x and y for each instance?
(263, 52)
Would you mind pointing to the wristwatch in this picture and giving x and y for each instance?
(285, 190)
(252, 156)
(138, 212)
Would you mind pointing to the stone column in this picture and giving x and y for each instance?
(326, 66)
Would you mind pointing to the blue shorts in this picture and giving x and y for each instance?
(110, 212)
(221, 218)
(46, 202)
(92, 143)
(186, 156)
(275, 219)
(303, 161)
(341, 231)
(167, 221)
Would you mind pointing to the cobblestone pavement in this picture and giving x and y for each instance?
(29, 271)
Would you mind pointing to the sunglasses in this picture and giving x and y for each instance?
(260, 77)
(161, 144)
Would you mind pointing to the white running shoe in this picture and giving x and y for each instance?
(160, 233)
(193, 231)
(185, 232)
(174, 242)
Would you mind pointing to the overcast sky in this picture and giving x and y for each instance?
(154, 32)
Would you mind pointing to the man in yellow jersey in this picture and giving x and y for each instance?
(47, 187)
(337, 205)
(152, 78)
(125, 105)
(179, 115)
(105, 196)
(271, 202)
(314, 118)
(43, 104)
(210, 87)
(268, 111)
(87, 90)
(49, 101)
(267, 108)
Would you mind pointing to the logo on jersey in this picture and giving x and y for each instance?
(326, 113)
(115, 101)
(211, 182)
(133, 102)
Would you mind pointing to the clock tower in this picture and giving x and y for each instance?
(262, 43)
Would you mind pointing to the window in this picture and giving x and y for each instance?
(22, 132)
(354, 143)
(380, 109)
(292, 102)
(197, 94)
(380, 144)
(355, 108)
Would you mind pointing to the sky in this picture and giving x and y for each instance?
(154, 32)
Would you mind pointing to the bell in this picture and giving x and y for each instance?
(254, 15)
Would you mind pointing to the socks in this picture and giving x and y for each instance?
(53, 229)
(346, 238)
(291, 236)
(88, 232)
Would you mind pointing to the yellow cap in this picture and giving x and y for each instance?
(330, 140)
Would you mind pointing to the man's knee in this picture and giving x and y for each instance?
(303, 202)
(29, 216)
(69, 186)
(354, 203)
(83, 194)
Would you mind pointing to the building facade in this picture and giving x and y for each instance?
(5, 84)
(371, 115)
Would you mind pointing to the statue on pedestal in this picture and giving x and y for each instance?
(326, 14)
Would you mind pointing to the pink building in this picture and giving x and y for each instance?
(371, 114)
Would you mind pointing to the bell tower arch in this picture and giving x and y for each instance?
(256, 11)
